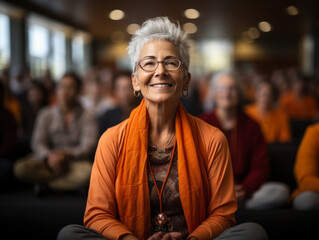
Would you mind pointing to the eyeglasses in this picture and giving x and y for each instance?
(151, 64)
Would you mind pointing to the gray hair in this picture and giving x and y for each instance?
(213, 86)
(159, 28)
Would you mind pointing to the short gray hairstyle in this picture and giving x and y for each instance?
(159, 28)
(213, 86)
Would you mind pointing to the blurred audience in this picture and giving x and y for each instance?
(55, 127)
(63, 143)
(8, 140)
(20, 81)
(125, 102)
(49, 84)
(250, 78)
(274, 122)
(247, 145)
(10, 101)
(306, 196)
(97, 95)
(36, 99)
(280, 80)
(298, 103)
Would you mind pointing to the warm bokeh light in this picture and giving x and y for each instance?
(191, 13)
(131, 29)
(247, 51)
(253, 33)
(292, 10)
(264, 26)
(190, 28)
(246, 38)
(116, 14)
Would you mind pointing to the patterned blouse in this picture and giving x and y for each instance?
(171, 203)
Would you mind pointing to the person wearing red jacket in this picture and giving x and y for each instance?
(247, 145)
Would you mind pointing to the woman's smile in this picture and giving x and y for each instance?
(161, 85)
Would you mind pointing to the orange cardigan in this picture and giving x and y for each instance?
(299, 109)
(307, 162)
(274, 124)
(114, 206)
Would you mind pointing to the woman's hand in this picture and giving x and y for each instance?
(167, 236)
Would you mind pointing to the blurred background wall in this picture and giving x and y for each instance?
(60, 35)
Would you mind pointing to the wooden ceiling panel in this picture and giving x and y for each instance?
(219, 18)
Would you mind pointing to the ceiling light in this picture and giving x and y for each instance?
(190, 28)
(292, 10)
(116, 14)
(253, 33)
(131, 29)
(264, 26)
(191, 13)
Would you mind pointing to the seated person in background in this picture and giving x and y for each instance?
(8, 141)
(123, 92)
(280, 79)
(247, 145)
(306, 196)
(63, 142)
(298, 103)
(36, 99)
(273, 121)
(97, 93)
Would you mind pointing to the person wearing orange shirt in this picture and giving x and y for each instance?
(306, 196)
(297, 103)
(273, 121)
(163, 173)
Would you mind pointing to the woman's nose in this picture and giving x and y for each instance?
(160, 70)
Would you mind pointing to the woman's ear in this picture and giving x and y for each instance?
(135, 82)
(186, 81)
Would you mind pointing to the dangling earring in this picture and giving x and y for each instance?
(136, 93)
(185, 93)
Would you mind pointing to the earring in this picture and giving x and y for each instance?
(185, 93)
(136, 93)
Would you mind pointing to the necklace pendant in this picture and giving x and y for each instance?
(161, 219)
(160, 151)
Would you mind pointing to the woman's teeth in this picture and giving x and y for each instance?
(161, 85)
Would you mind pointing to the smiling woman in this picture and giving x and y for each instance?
(160, 83)
(163, 173)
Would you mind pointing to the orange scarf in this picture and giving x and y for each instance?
(132, 179)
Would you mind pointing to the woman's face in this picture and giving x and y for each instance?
(160, 86)
(67, 91)
(35, 95)
(226, 93)
(264, 96)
